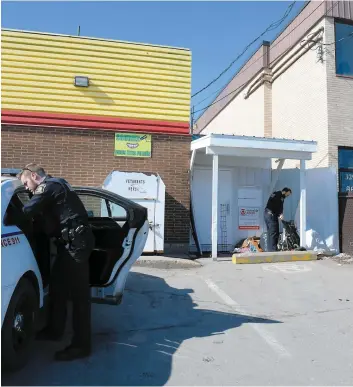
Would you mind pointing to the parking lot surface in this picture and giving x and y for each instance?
(221, 324)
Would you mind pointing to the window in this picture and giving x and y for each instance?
(344, 48)
(345, 158)
(24, 197)
(345, 164)
(14, 214)
(97, 207)
(346, 181)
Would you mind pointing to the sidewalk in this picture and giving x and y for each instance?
(167, 262)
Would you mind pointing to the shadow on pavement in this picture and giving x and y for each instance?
(134, 343)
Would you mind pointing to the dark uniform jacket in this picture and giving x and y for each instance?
(58, 204)
(275, 203)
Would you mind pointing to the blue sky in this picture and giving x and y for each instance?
(216, 32)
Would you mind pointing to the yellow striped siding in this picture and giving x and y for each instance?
(126, 79)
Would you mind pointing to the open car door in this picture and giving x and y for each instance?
(120, 227)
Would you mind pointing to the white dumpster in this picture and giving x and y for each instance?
(148, 190)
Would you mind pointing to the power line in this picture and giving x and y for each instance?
(261, 57)
(238, 88)
(271, 27)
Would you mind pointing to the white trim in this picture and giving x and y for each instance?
(258, 153)
(271, 145)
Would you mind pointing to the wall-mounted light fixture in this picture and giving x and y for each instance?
(81, 81)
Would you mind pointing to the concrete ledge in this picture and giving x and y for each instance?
(158, 262)
(278, 256)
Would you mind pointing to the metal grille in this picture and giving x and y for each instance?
(223, 223)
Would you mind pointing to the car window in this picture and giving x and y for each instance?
(15, 216)
(13, 211)
(97, 207)
(23, 196)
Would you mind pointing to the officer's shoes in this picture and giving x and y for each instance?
(47, 335)
(72, 353)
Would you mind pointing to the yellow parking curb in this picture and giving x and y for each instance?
(280, 256)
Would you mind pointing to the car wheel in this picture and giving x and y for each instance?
(18, 329)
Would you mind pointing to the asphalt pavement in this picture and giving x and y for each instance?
(219, 324)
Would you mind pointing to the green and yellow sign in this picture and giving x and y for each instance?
(132, 145)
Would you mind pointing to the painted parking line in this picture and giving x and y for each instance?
(259, 329)
(288, 268)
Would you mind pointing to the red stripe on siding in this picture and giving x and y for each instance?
(17, 117)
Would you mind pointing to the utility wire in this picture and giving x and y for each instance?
(350, 35)
(238, 88)
(310, 40)
(271, 27)
(245, 68)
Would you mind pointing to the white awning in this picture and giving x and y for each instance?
(217, 145)
(244, 146)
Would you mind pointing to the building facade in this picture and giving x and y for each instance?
(69, 125)
(300, 87)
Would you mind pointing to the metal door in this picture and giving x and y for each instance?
(346, 222)
(202, 192)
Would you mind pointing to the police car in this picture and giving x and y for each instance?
(120, 227)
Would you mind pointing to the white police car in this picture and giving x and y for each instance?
(121, 229)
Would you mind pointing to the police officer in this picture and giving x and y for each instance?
(273, 212)
(65, 219)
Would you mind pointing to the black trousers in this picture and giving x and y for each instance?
(272, 231)
(69, 280)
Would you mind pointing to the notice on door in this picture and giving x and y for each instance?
(249, 218)
(249, 207)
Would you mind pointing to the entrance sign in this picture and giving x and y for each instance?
(132, 145)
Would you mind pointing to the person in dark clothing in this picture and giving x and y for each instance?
(65, 220)
(273, 212)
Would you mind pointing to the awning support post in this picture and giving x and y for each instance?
(214, 230)
(302, 204)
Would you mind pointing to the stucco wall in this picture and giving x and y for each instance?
(242, 116)
(299, 100)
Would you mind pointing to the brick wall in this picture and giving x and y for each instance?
(85, 157)
(340, 101)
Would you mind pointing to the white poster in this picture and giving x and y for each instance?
(249, 207)
(249, 218)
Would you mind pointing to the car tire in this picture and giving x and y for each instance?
(18, 330)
